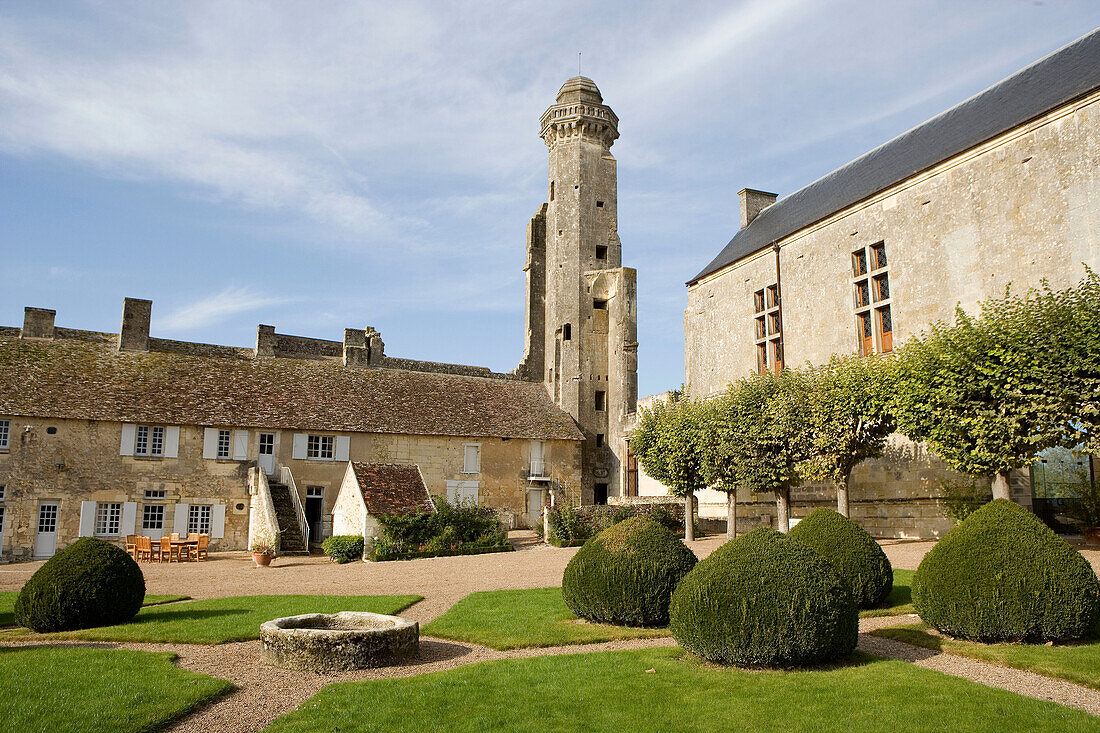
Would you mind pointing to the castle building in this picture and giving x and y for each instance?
(1002, 189)
(109, 435)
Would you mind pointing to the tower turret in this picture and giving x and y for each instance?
(579, 296)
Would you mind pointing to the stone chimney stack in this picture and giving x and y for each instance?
(134, 334)
(752, 203)
(356, 351)
(38, 323)
(265, 341)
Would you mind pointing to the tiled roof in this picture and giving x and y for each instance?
(1049, 83)
(391, 489)
(88, 379)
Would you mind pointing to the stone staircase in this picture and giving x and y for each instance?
(291, 541)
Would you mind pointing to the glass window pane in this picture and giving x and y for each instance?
(859, 262)
(879, 251)
(863, 296)
(882, 287)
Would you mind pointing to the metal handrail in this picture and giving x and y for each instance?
(288, 479)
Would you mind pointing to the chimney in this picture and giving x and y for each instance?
(37, 323)
(752, 203)
(134, 335)
(356, 352)
(265, 341)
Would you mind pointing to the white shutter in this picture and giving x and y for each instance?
(87, 518)
(471, 456)
(240, 445)
(129, 518)
(210, 443)
(179, 522)
(467, 491)
(299, 448)
(217, 521)
(172, 441)
(343, 448)
(129, 432)
(452, 491)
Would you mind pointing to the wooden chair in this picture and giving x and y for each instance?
(201, 551)
(131, 545)
(174, 537)
(166, 550)
(193, 537)
(144, 548)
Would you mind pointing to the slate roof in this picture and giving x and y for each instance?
(389, 489)
(1051, 82)
(88, 379)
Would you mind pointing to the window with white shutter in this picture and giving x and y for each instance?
(108, 517)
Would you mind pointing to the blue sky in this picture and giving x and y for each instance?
(317, 166)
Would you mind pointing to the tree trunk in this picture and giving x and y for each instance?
(689, 517)
(731, 514)
(783, 508)
(842, 496)
(1001, 489)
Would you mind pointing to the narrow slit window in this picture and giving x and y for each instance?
(601, 400)
(599, 440)
(600, 305)
(601, 251)
(566, 332)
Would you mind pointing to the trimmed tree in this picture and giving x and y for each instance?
(765, 434)
(720, 436)
(669, 444)
(848, 403)
(979, 392)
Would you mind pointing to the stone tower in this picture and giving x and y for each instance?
(582, 315)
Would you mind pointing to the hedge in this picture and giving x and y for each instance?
(1003, 575)
(765, 599)
(343, 547)
(854, 553)
(625, 575)
(89, 583)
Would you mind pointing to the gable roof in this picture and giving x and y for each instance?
(389, 489)
(1051, 82)
(88, 379)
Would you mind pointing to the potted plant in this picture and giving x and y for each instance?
(263, 548)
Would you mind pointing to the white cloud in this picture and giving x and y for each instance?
(218, 307)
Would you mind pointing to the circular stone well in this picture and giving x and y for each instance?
(322, 642)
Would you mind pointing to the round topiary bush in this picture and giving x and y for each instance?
(852, 550)
(765, 599)
(1003, 575)
(89, 583)
(625, 575)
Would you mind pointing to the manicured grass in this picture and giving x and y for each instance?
(7, 604)
(900, 600)
(667, 690)
(96, 690)
(220, 620)
(513, 619)
(1078, 662)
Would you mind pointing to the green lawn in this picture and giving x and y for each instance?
(1078, 663)
(66, 690)
(900, 600)
(7, 604)
(513, 619)
(665, 689)
(220, 620)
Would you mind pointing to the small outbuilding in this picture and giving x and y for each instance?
(371, 490)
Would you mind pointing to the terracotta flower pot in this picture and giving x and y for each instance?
(262, 559)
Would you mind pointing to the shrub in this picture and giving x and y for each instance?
(89, 583)
(625, 575)
(1003, 575)
(453, 529)
(854, 553)
(571, 526)
(765, 599)
(343, 547)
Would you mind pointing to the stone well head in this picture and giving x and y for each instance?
(321, 642)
